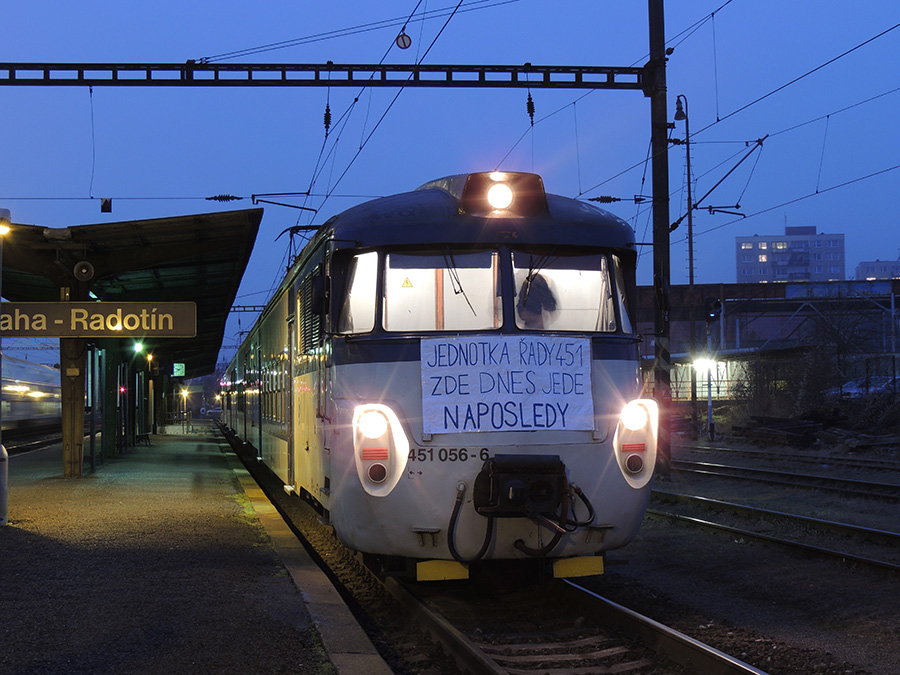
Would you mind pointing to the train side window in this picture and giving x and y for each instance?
(622, 295)
(358, 303)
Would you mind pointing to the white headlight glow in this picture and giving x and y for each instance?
(634, 416)
(500, 196)
(372, 424)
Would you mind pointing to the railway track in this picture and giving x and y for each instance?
(560, 628)
(556, 628)
(845, 486)
(786, 456)
(20, 443)
(770, 515)
(871, 547)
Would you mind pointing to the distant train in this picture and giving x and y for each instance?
(31, 395)
(451, 376)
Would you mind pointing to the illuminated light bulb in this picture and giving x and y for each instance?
(500, 196)
(634, 416)
(372, 424)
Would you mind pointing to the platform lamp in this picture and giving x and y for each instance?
(4, 458)
(681, 115)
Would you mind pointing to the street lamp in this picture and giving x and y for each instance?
(184, 420)
(4, 457)
(708, 364)
(681, 114)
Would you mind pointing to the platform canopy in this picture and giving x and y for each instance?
(198, 258)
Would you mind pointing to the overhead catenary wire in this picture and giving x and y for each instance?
(471, 6)
(345, 117)
(365, 138)
(773, 134)
(767, 95)
(715, 63)
(330, 192)
(822, 157)
(801, 77)
(644, 162)
(93, 143)
(185, 198)
(388, 109)
(677, 40)
(577, 146)
(672, 43)
(796, 200)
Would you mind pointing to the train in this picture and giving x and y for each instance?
(31, 395)
(451, 377)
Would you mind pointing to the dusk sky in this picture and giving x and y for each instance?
(818, 79)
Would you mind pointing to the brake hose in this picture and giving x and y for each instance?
(544, 550)
(460, 493)
(590, 507)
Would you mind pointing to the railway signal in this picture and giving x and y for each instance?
(713, 308)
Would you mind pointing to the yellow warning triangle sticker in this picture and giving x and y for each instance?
(407, 283)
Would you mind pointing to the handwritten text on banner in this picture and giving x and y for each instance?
(503, 383)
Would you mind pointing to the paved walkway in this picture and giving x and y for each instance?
(168, 559)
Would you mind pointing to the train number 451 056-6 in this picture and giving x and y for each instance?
(447, 454)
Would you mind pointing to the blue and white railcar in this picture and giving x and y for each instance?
(31, 395)
(451, 375)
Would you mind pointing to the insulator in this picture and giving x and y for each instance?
(327, 118)
(605, 199)
(223, 198)
(530, 106)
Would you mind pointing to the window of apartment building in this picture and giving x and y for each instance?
(834, 270)
(817, 256)
(817, 243)
(762, 258)
(833, 243)
(746, 257)
(746, 244)
(763, 245)
(780, 245)
(818, 269)
(747, 271)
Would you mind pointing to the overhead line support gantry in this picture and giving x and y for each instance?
(196, 74)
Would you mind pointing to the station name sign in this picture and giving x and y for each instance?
(98, 319)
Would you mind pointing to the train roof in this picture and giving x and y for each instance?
(29, 371)
(440, 212)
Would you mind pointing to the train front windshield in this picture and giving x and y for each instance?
(454, 290)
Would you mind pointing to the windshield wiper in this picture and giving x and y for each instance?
(455, 283)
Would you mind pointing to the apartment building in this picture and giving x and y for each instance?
(878, 269)
(800, 254)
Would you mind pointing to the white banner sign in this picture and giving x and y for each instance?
(504, 383)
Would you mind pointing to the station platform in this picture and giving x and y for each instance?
(167, 559)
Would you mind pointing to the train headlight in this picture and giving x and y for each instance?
(635, 441)
(500, 196)
(504, 194)
(635, 416)
(372, 424)
(381, 448)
